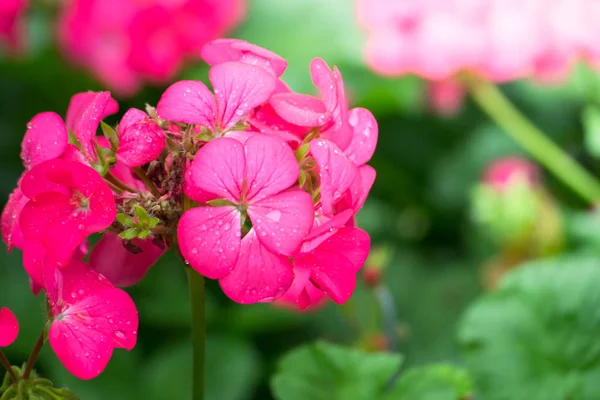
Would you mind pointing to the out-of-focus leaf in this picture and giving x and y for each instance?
(323, 371)
(591, 125)
(538, 336)
(232, 369)
(432, 382)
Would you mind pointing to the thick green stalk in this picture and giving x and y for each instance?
(196, 288)
(532, 139)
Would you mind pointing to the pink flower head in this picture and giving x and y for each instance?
(91, 318)
(141, 140)
(255, 179)
(69, 201)
(9, 327)
(126, 42)
(11, 13)
(330, 112)
(121, 265)
(224, 50)
(238, 88)
(84, 114)
(506, 171)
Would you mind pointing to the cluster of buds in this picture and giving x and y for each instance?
(253, 184)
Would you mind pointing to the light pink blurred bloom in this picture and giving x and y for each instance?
(510, 170)
(11, 29)
(127, 42)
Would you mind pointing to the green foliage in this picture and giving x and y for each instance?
(591, 125)
(432, 382)
(538, 336)
(323, 371)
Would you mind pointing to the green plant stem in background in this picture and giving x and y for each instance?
(532, 139)
(196, 287)
(33, 356)
(4, 361)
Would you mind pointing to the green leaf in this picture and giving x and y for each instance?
(324, 371)
(591, 125)
(142, 215)
(130, 233)
(538, 336)
(125, 219)
(432, 382)
(153, 222)
(143, 234)
(110, 134)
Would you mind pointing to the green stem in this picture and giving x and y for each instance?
(149, 184)
(118, 183)
(532, 139)
(33, 356)
(196, 287)
(4, 361)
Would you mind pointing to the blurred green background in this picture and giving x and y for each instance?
(419, 207)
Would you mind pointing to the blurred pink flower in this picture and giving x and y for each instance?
(11, 12)
(127, 42)
(500, 40)
(445, 97)
(506, 171)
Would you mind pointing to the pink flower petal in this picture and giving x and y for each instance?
(85, 112)
(34, 255)
(223, 50)
(282, 221)
(303, 293)
(41, 211)
(358, 192)
(239, 88)
(119, 265)
(46, 139)
(300, 109)
(189, 102)
(209, 239)
(91, 319)
(141, 140)
(271, 167)
(331, 272)
(11, 229)
(259, 275)
(335, 170)
(352, 243)
(364, 136)
(219, 167)
(9, 327)
(323, 228)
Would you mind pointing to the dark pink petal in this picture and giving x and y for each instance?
(259, 275)
(72, 153)
(300, 109)
(63, 236)
(141, 140)
(303, 293)
(335, 170)
(46, 139)
(37, 181)
(11, 229)
(219, 168)
(209, 239)
(34, 255)
(41, 211)
(324, 227)
(364, 136)
(352, 243)
(9, 327)
(239, 88)
(282, 221)
(331, 272)
(271, 167)
(358, 192)
(223, 50)
(126, 175)
(85, 112)
(266, 120)
(189, 102)
(119, 265)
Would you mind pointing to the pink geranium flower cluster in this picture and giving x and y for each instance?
(498, 39)
(126, 42)
(253, 184)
